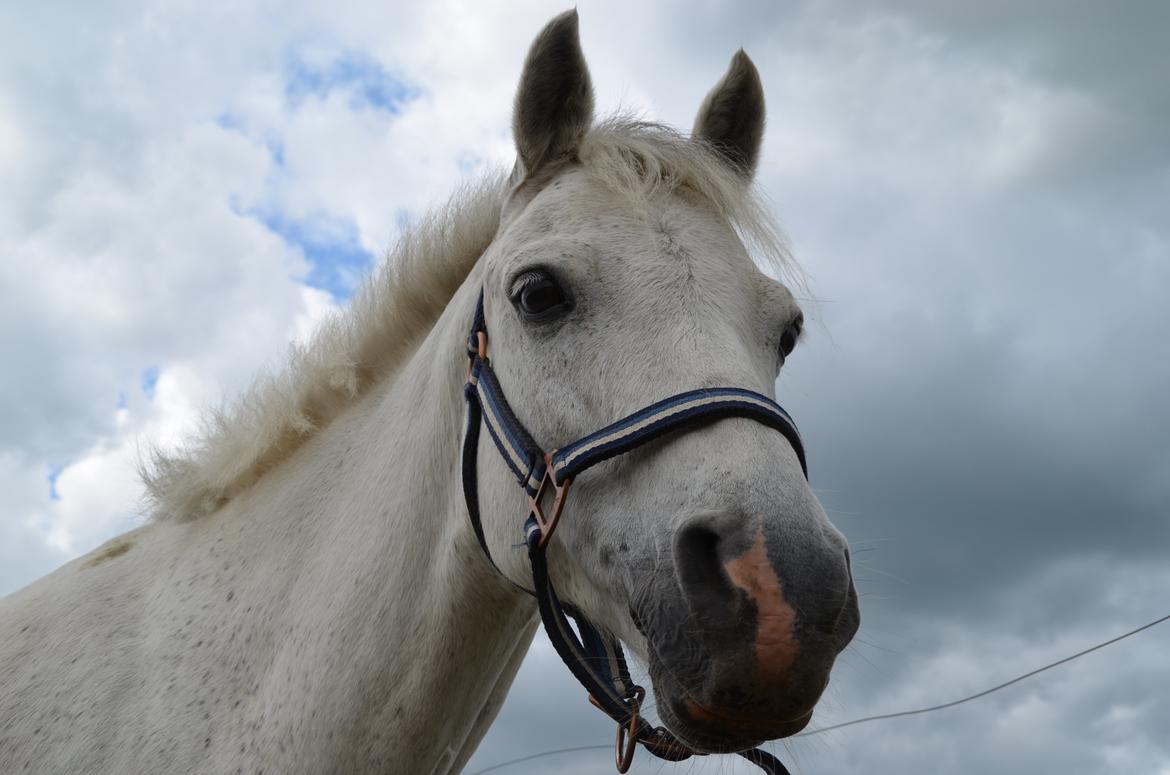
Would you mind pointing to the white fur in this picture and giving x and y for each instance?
(393, 310)
(310, 598)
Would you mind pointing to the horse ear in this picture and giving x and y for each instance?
(554, 104)
(731, 119)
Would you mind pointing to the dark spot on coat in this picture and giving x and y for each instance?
(115, 548)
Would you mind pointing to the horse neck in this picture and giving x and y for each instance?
(427, 635)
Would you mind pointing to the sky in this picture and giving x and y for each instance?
(977, 193)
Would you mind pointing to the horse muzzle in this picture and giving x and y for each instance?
(743, 638)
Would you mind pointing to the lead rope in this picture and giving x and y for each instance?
(595, 659)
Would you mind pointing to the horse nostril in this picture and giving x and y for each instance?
(701, 574)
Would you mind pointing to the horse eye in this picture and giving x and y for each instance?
(538, 296)
(790, 336)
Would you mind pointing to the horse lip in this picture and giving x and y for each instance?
(716, 732)
(749, 722)
(748, 731)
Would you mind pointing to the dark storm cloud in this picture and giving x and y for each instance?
(1113, 53)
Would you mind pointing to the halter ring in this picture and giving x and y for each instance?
(627, 731)
(627, 734)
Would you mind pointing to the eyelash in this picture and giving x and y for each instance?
(790, 337)
(549, 299)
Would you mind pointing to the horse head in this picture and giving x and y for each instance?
(620, 275)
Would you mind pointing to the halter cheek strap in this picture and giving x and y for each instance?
(595, 659)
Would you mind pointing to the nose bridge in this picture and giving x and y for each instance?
(755, 524)
(739, 464)
(703, 345)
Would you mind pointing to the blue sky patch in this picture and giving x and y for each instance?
(54, 472)
(231, 121)
(149, 381)
(368, 84)
(276, 151)
(332, 246)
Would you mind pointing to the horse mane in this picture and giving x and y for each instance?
(394, 309)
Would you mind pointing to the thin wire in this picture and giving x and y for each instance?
(866, 719)
(530, 757)
(986, 692)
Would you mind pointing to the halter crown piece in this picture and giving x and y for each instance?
(594, 658)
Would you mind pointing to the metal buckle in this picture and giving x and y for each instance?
(548, 523)
(627, 733)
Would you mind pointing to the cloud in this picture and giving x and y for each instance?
(163, 201)
(977, 193)
(1038, 725)
(24, 552)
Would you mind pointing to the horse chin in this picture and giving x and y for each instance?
(717, 730)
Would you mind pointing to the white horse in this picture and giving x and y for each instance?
(310, 597)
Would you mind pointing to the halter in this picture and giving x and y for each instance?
(594, 658)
